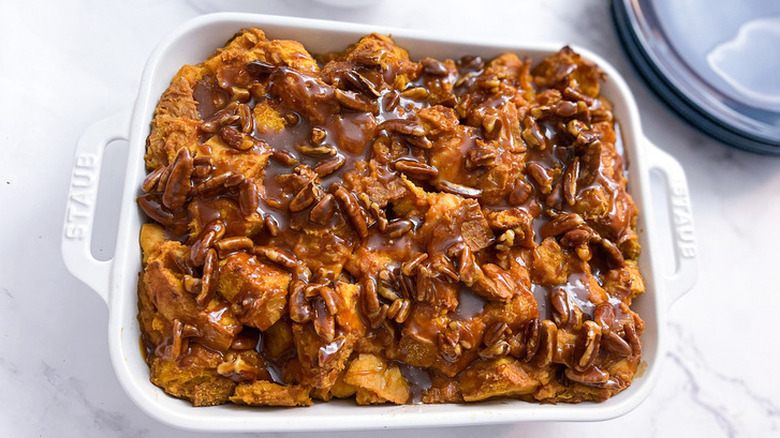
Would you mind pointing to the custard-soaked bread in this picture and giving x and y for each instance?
(364, 225)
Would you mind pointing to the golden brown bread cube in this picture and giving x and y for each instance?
(500, 378)
(264, 393)
(376, 380)
(257, 290)
(194, 378)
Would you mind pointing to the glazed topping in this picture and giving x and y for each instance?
(389, 229)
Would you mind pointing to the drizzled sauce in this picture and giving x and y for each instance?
(326, 121)
(418, 380)
(541, 294)
(469, 304)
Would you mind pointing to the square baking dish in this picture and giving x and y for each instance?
(115, 280)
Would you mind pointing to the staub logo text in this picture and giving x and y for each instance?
(683, 222)
(82, 196)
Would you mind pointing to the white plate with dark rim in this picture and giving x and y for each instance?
(115, 280)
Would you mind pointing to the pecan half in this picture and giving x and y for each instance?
(495, 351)
(323, 210)
(633, 338)
(155, 210)
(213, 184)
(318, 135)
(541, 175)
(151, 180)
(303, 199)
(591, 340)
(415, 93)
(613, 343)
(561, 224)
(233, 138)
(495, 333)
(468, 269)
(234, 180)
(532, 337)
(361, 84)
(181, 334)
(201, 246)
(370, 296)
(248, 199)
(541, 112)
(259, 69)
(417, 170)
(209, 279)
(443, 265)
(284, 157)
(614, 256)
(398, 228)
(480, 157)
(245, 117)
(565, 109)
(570, 182)
(379, 215)
(604, 316)
(202, 166)
(391, 101)
(449, 345)
(354, 101)
(331, 299)
(591, 377)
(405, 127)
(327, 167)
(233, 244)
(269, 223)
(385, 286)
(300, 310)
(191, 284)
(434, 67)
(548, 343)
(409, 267)
(532, 135)
(237, 367)
(351, 208)
(321, 150)
(399, 310)
(419, 142)
(277, 256)
(559, 300)
(324, 323)
(178, 186)
(458, 189)
(375, 319)
(572, 93)
(578, 237)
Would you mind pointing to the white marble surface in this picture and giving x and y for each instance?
(65, 65)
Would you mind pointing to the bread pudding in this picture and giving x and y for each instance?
(363, 225)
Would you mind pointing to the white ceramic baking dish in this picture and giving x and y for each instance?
(115, 280)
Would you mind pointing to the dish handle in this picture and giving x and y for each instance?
(685, 251)
(82, 197)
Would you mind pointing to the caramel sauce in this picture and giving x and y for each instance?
(469, 304)
(210, 98)
(579, 293)
(418, 380)
(376, 138)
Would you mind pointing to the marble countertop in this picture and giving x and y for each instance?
(66, 65)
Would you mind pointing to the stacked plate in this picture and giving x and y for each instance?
(715, 64)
